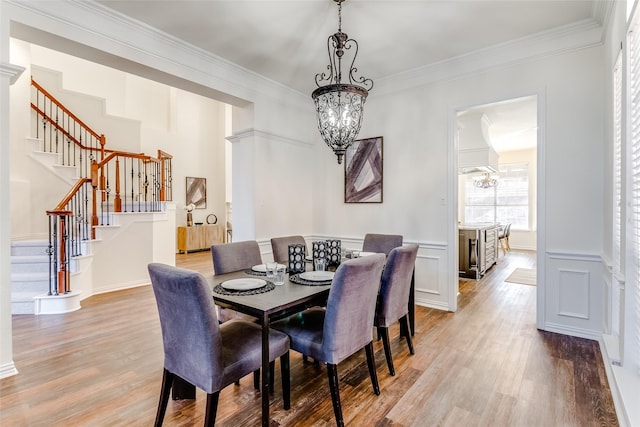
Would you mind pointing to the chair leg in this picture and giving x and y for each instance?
(332, 373)
(502, 246)
(286, 380)
(256, 379)
(387, 348)
(371, 362)
(167, 381)
(212, 409)
(404, 324)
(508, 244)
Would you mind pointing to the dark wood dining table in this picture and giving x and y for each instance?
(282, 301)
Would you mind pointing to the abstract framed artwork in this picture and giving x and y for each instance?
(196, 192)
(363, 171)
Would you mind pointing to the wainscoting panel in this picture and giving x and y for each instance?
(574, 293)
(431, 276)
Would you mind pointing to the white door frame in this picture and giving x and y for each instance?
(452, 192)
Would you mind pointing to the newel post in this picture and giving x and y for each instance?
(117, 201)
(94, 207)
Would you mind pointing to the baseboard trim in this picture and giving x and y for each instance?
(8, 370)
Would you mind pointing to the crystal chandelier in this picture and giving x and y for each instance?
(339, 105)
(486, 181)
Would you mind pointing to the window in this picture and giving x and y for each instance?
(507, 202)
(631, 340)
(618, 265)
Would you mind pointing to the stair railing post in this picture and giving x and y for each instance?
(94, 207)
(117, 201)
(63, 271)
(52, 254)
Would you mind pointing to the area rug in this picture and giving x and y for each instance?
(524, 276)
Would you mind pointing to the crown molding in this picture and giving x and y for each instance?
(12, 71)
(572, 37)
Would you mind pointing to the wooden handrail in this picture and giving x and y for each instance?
(69, 196)
(113, 154)
(63, 108)
(164, 155)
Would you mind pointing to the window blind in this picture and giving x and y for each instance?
(618, 264)
(632, 282)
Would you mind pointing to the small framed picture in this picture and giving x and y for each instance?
(363, 171)
(196, 192)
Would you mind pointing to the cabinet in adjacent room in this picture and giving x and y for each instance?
(199, 237)
(477, 249)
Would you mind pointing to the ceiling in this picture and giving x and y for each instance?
(286, 40)
(513, 123)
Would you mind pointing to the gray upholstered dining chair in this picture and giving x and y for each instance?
(346, 325)
(198, 349)
(230, 257)
(381, 243)
(236, 256)
(280, 247)
(394, 297)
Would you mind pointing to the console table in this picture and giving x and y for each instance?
(199, 237)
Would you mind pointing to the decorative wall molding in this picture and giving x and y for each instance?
(576, 256)
(12, 71)
(254, 133)
(574, 293)
(574, 285)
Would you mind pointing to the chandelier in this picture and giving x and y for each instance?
(339, 105)
(486, 181)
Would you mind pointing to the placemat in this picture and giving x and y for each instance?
(255, 273)
(222, 291)
(295, 278)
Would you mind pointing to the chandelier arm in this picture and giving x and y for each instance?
(321, 77)
(353, 79)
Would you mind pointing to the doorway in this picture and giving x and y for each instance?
(497, 179)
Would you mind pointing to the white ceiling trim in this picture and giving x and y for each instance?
(13, 72)
(580, 35)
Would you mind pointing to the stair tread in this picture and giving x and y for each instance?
(23, 259)
(25, 277)
(40, 242)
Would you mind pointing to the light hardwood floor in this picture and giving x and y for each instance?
(485, 365)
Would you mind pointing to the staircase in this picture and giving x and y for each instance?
(99, 226)
(30, 281)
